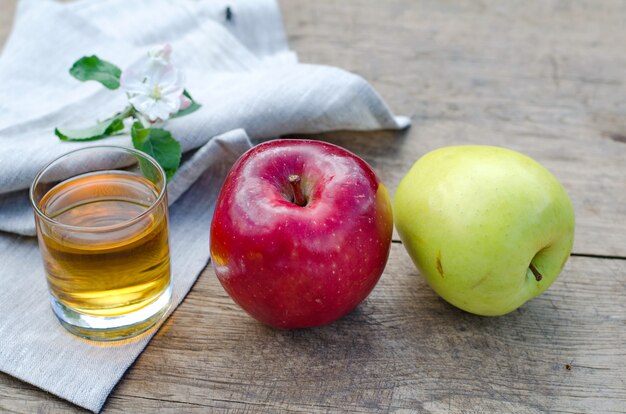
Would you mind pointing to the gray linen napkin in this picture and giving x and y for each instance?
(249, 84)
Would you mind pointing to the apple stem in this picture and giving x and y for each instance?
(296, 186)
(533, 269)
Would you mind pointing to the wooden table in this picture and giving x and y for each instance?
(547, 78)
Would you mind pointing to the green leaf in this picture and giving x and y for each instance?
(158, 143)
(98, 131)
(191, 108)
(94, 68)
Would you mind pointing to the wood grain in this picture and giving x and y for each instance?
(543, 77)
(7, 10)
(403, 349)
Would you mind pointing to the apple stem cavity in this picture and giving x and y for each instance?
(296, 186)
(533, 269)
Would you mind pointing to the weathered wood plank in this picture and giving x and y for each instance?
(7, 10)
(545, 78)
(403, 349)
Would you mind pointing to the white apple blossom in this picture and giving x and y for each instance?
(154, 86)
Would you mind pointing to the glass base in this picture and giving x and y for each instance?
(112, 328)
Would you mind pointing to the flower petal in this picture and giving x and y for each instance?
(145, 105)
(172, 103)
(132, 83)
(161, 110)
(167, 75)
(184, 102)
(154, 86)
(133, 79)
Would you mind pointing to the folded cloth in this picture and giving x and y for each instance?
(237, 65)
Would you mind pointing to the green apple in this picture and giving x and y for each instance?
(489, 228)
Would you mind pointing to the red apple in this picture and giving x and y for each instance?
(301, 232)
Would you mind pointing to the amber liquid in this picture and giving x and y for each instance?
(115, 258)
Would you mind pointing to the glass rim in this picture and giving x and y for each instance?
(131, 221)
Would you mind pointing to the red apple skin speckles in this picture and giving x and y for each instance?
(292, 266)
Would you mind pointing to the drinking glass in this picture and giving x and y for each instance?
(102, 226)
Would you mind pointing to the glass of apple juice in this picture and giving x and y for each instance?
(102, 226)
